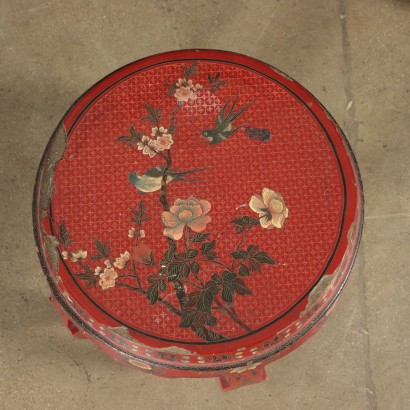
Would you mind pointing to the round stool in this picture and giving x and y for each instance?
(197, 214)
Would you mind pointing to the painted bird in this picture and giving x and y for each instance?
(151, 180)
(223, 122)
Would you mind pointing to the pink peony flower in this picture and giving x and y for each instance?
(191, 212)
(147, 146)
(78, 255)
(122, 260)
(184, 94)
(107, 278)
(270, 207)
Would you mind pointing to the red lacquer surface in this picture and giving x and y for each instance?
(298, 153)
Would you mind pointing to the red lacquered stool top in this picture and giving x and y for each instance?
(204, 201)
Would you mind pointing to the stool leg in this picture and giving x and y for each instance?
(232, 381)
(71, 327)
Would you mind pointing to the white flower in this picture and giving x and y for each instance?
(142, 233)
(107, 263)
(97, 270)
(163, 130)
(147, 146)
(64, 254)
(122, 260)
(78, 255)
(270, 207)
(197, 87)
(131, 233)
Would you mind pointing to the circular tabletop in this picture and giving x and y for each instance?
(201, 199)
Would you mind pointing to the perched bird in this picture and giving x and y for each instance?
(224, 121)
(151, 180)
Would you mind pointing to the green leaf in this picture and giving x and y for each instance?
(149, 261)
(191, 253)
(83, 276)
(211, 255)
(200, 319)
(239, 229)
(190, 71)
(252, 249)
(199, 237)
(142, 207)
(263, 257)
(96, 257)
(240, 255)
(210, 320)
(243, 270)
(92, 281)
(195, 268)
(253, 221)
(192, 299)
(227, 292)
(185, 269)
(162, 285)
(174, 271)
(154, 114)
(102, 248)
(154, 278)
(187, 319)
(217, 279)
(254, 266)
(204, 302)
(212, 287)
(228, 276)
(65, 235)
(152, 293)
(240, 287)
(207, 247)
(241, 221)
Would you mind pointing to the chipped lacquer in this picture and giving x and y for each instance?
(197, 214)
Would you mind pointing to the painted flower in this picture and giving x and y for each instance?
(184, 94)
(131, 232)
(197, 87)
(154, 131)
(78, 255)
(65, 254)
(122, 260)
(142, 233)
(164, 141)
(191, 212)
(181, 81)
(147, 146)
(107, 278)
(97, 270)
(107, 263)
(270, 207)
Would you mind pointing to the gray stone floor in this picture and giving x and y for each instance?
(354, 55)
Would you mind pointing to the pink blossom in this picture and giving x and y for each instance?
(164, 142)
(191, 212)
(107, 278)
(122, 260)
(184, 94)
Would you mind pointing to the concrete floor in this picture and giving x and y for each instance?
(349, 53)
